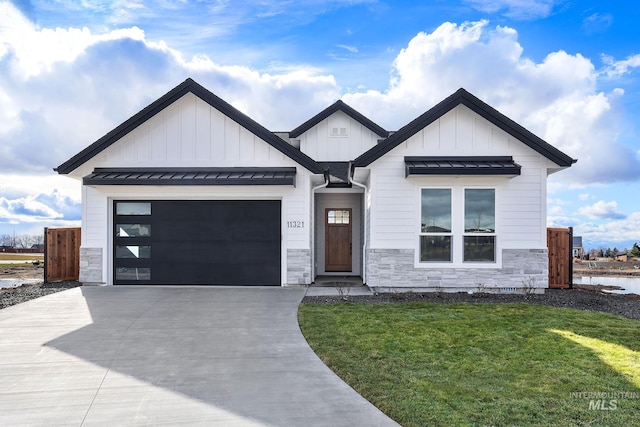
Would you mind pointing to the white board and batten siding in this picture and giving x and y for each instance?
(191, 133)
(338, 138)
(520, 201)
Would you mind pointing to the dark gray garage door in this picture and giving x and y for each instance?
(219, 242)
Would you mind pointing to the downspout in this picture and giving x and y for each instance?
(313, 223)
(364, 226)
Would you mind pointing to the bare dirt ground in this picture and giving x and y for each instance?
(16, 295)
(28, 271)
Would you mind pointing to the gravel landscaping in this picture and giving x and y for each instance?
(584, 298)
(19, 294)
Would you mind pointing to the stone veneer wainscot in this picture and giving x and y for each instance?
(522, 270)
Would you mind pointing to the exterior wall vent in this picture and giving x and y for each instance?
(339, 132)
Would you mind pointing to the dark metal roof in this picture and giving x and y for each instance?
(191, 176)
(463, 97)
(461, 166)
(338, 173)
(189, 85)
(338, 106)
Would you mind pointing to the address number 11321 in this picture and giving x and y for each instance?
(295, 224)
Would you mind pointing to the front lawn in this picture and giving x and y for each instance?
(483, 364)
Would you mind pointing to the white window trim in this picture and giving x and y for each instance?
(457, 229)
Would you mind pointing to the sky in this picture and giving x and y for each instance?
(567, 70)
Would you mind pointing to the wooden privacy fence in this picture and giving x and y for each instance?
(61, 254)
(560, 247)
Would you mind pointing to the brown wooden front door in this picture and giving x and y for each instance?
(337, 248)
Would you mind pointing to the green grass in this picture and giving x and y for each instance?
(482, 364)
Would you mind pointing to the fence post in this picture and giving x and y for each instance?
(46, 253)
(570, 257)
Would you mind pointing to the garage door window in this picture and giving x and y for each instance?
(133, 273)
(133, 230)
(133, 208)
(132, 241)
(133, 252)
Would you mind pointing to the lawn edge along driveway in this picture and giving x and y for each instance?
(482, 364)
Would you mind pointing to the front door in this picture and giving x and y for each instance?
(338, 239)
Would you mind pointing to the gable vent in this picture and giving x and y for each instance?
(339, 132)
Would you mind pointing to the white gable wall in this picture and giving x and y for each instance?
(190, 133)
(338, 138)
(521, 201)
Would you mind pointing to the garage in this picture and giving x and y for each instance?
(195, 242)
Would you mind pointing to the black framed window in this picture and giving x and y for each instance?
(479, 225)
(457, 225)
(435, 225)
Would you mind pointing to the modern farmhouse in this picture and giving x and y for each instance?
(192, 191)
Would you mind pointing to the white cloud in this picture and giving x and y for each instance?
(561, 220)
(516, 9)
(557, 99)
(39, 208)
(56, 101)
(597, 22)
(622, 231)
(351, 49)
(70, 97)
(602, 210)
(55, 202)
(36, 50)
(619, 68)
(556, 210)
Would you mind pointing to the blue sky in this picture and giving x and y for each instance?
(569, 71)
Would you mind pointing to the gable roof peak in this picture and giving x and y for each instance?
(188, 86)
(463, 97)
(339, 105)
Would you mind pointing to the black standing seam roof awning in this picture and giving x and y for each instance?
(461, 166)
(191, 176)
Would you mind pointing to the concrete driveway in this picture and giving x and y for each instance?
(168, 355)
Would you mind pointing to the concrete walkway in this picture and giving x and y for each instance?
(171, 356)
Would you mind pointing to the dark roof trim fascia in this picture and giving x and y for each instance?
(189, 85)
(339, 105)
(461, 96)
(466, 165)
(191, 176)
